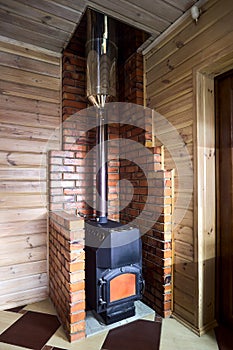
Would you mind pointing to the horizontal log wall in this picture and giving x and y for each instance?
(29, 114)
(171, 91)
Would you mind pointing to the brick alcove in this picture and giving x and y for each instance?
(71, 185)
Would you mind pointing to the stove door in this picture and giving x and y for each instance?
(119, 285)
(122, 286)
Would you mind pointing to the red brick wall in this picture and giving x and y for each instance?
(66, 270)
(157, 246)
(70, 183)
(79, 141)
(131, 80)
(113, 175)
(73, 84)
(157, 222)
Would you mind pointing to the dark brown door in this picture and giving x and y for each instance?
(224, 166)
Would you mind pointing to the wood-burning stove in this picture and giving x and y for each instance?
(113, 251)
(113, 269)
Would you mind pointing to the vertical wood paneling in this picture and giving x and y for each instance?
(171, 91)
(29, 115)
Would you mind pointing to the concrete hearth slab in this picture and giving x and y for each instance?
(94, 325)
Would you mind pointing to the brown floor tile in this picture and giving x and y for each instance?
(31, 331)
(16, 309)
(137, 335)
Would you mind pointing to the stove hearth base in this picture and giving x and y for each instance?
(95, 324)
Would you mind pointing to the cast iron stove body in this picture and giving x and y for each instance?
(114, 270)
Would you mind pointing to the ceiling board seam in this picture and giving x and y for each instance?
(47, 9)
(42, 36)
(174, 6)
(145, 12)
(41, 12)
(34, 22)
(79, 12)
(29, 46)
(160, 16)
(117, 15)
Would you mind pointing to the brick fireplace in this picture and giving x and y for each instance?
(71, 184)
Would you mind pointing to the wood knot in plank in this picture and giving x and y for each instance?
(179, 44)
(170, 67)
(9, 161)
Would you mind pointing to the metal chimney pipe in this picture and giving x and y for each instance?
(102, 167)
(101, 54)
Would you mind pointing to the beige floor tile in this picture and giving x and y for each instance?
(44, 306)
(10, 347)
(175, 336)
(93, 342)
(6, 319)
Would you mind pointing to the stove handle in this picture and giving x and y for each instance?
(101, 300)
(143, 286)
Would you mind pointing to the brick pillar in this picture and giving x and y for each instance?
(157, 246)
(66, 270)
(156, 226)
(157, 241)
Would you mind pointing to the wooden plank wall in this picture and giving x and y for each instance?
(170, 90)
(29, 114)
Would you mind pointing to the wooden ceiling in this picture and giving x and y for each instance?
(49, 24)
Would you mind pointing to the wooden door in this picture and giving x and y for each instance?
(224, 166)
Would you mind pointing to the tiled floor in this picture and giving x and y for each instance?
(173, 336)
(93, 326)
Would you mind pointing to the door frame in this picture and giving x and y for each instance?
(206, 244)
(228, 73)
